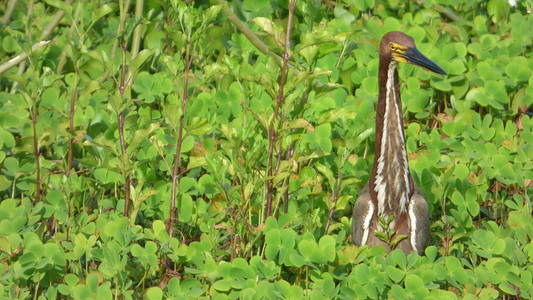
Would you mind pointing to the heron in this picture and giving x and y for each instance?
(391, 193)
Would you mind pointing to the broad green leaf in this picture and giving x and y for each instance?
(4, 183)
(273, 243)
(496, 89)
(326, 245)
(11, 165)
(60, 5)
(395, 274)
(186, 208)
(141, 58)
(307, 248)
(223, 285)
(106, 176)
(442, 85)
(478, 95)
(6, 139)
(102, 11)
(154, 40)
(51, 98)
(154, 293)
(10, 44)
(461, 171)
(297, 260)
(323, 133)
(187, 144)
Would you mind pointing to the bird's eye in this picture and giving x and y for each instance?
(393, 47)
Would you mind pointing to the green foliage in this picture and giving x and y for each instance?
(469, 139)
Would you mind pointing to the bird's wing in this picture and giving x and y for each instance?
(363, 211)
(419, 222)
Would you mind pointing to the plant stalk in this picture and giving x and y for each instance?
(136, 41)
(9, 11)
(279, 101)
(73, 25)
(72, 132)
(250, 35)
(124, 8)
(288, 156)
(17, 59)
(176, 174)
(36, 153)
(55, 21)
(334, 198)
(121, 118)
(44, 35)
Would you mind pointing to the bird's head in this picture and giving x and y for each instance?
(401, 47)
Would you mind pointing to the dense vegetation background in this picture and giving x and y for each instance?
(113, 112)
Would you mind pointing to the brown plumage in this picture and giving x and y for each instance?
(391, 191)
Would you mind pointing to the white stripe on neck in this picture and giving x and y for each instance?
(381, 182)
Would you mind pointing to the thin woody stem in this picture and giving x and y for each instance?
(36, 153)
(279, 101)
(72, 112)
(334, 198)
(250, 35)
(176, 174)
(121, 117)
(44, 35)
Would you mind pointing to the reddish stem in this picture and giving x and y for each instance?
(176, 174)
(279, 101)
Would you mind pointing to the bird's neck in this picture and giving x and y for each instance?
(390, 182)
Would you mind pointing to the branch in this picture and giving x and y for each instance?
(72, 132)
(36, 153)
(121, 117)
(55, 21)
(44, 35)
(9, 11)
(334, 198)
(173, 216)
(19, 58)
(136, 42)
(75, 21)
(279, 101)
(124, 8)
(288, 156)
(448, 12)
(249, 33)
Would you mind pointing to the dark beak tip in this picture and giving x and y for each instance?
(415, 57)
(440, 72)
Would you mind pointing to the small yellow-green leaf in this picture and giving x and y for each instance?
(461, 171)
(442, 85)
(186, 207)
(154, 293)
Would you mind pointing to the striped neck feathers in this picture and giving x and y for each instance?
(392, 185)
